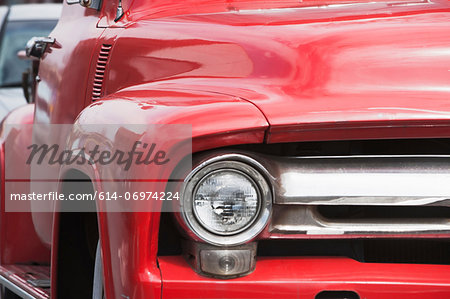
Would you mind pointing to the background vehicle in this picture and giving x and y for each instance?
(320, 138)
(19, 24)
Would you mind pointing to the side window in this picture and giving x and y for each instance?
(14, 39)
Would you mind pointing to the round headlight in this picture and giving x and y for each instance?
(226, 202)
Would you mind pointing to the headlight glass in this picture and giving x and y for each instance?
(226, 201)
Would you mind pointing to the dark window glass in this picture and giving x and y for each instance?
(14, 39)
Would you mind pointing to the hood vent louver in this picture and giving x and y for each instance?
(100, 71)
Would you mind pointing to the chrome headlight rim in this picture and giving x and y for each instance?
(231, 162)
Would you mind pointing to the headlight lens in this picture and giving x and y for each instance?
(226, 202)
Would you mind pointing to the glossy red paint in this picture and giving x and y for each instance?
(19, 242)
(137, 9)
(244, 72)
(134, 270)
(304, 278)
(288, 64)
(368, 66)
(62, 90)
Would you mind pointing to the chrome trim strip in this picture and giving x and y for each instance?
(306, 220)
(15, 289)
(368, 180)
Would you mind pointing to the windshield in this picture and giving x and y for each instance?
(14, 39)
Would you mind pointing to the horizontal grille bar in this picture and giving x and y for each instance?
(363, 180)
(307, 220)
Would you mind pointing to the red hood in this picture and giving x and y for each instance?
(356, 63)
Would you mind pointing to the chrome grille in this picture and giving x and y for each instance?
(414, 190)
(399, 183)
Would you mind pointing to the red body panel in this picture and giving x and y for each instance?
(19, 241)
(306, 277)
(241, 72)
(309, 71)
(135, 270)
(62, 91)
(289, 64)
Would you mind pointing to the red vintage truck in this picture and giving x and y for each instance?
(313, 159)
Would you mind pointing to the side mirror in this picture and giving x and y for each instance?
(36, 46)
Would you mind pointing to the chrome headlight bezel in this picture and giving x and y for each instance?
(236, 163)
